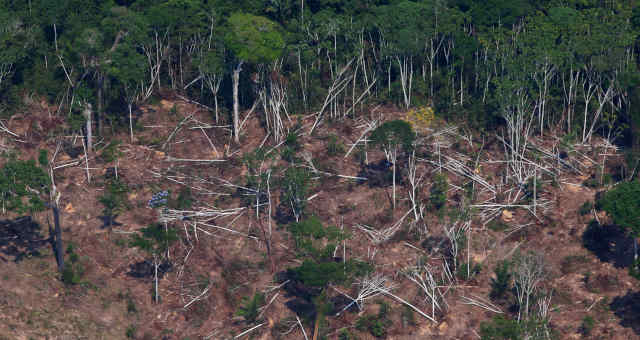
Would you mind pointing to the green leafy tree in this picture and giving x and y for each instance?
(622, 203)
(295, 187)
(114, 199)
(252, 39)
(27, 188)
(391, 137)
(23, 186)
(250, 307)
(500, 284)
(154, 240)
(316, 245)
(404, 27)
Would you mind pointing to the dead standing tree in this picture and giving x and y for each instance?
(273, 96)
(529, 272)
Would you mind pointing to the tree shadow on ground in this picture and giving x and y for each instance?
(20, 238)
(609, 243)
(109, 221)
(627, 308)
(145, 269)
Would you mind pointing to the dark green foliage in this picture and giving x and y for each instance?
(500, 328)
(249, 308)
(319, 274)
(308, 235)
(585, 208)
(501, 283)
(634, 269)
(529, 190)
(622, 203)
(114, 198)
(110, 153)
(291, 147)
(393, 133)
(588, 323)
(130, 333)
(316, 244)
(131, 305)
(295, 186)
(154, 239)
(591, 182)
(254, 39)
(43, 158)
(73, 269)
(23, 186)
(375, 324)
(346, 335)
(438, 192)
(256, 178)
(474, 269)
(292, 141)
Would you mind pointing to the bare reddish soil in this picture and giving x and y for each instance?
(109, 304)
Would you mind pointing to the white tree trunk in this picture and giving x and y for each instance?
(236, 115)
(130, 124)
(155, 265)
(87, 116)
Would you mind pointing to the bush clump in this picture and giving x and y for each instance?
(250, 307)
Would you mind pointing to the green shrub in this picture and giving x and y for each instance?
(292, 141)
(473, 270)
(634, 269)
(438, 192)
(295, 186)
(320, 274)
(346, 335)
(308, 235)
(250, 307)
(500, 284)
(43, 158)
(174, 110)
(154, 239)
(375, 324)
(588, 323)
(111, 152)
(291, 147)
(23, 186)
(393, 133)
(622, 203)
(591, 182)
(585, 208)
(529, 189)
(114, 198)
(500, 328)
(73, 269)
(131, 305)
(131, 332)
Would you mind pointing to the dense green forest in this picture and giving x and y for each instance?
(569, 65)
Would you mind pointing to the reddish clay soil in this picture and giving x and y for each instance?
(109, 303)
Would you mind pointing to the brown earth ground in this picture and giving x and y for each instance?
(109, 304)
